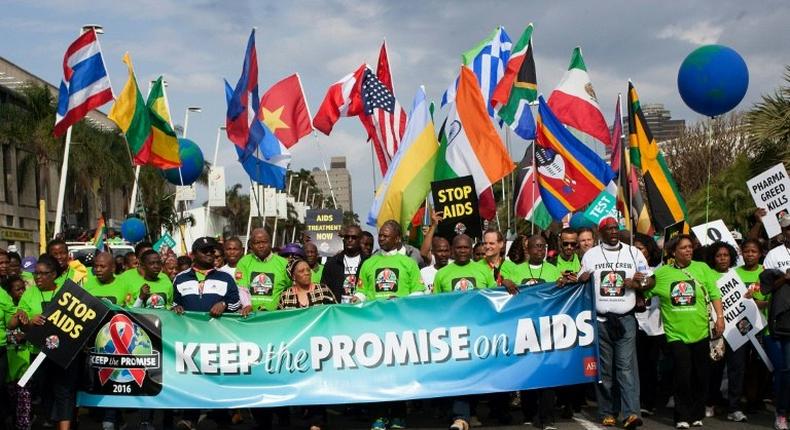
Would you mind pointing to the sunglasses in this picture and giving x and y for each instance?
(571, 244)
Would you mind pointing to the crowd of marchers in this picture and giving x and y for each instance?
(659, 315)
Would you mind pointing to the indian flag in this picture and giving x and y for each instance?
(574, 103)
(409, 176)
(470, 145)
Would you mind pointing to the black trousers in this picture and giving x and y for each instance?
(538, 406)
(648, 351)
(692, 362)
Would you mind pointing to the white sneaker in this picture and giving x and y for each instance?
(780, 423)
(697, 423)
(710, 411)
(682, 425)
(108, 425)
(737, 416)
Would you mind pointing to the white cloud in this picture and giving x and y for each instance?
(702, 33)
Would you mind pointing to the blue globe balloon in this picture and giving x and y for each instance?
(133, 230)
(713, 79)
(191, 164)
(578, 220)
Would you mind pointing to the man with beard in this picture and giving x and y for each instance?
(263, 272)
(618, 271)
(341, 271)
(568, 260)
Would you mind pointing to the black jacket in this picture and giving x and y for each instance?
(334, 275)
(779, 303)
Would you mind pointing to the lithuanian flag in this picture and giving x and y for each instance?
(131, 115)
(666, 205)
(164, 143)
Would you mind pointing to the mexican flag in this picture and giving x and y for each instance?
(470, 145)
(574, 103)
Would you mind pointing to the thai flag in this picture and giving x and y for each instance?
(85, 85)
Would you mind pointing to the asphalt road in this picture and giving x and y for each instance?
(427, 419)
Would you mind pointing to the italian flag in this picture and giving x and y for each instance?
(576, 106)
(470, 145)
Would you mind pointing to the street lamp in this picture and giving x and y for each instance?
(196, 109)
(216, 145)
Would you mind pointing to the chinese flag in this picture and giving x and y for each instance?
(284, 110)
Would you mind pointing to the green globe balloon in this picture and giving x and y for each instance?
(191, 164)
(713, 79)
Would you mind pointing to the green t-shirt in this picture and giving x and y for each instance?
(505, 269)
(265, 279)
(18, 360)
(470, 276)
(161, 289)
(315, 277)
(33, 302)
(384, 276)
(114, 292)
(28, 278)
(683, 307)
(752, 281)
(68, 274)
(527, 274)
(572, 266)
(7, 310)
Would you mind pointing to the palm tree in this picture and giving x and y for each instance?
(769, 124)
(236, 210)
(27, 122)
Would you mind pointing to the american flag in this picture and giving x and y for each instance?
(383, 117)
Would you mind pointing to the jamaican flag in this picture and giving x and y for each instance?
(664, 201)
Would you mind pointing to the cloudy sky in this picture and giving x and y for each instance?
(194, 44)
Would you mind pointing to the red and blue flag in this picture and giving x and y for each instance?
(570, 175)
(85, 85)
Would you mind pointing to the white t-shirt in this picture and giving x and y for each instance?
(244, 294)
(778, 258)
(428, 273)
(609, 270)
(350, 271)
(650, 320)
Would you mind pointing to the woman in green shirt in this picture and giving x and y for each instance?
(59, 393)
(722, 257)
(685, 314)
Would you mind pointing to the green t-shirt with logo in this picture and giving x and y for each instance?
(571, 266)
(470, 276)
(752, 280)
(33, 302)
(505, 269)
(161, 289)
(114, 292)
(528, 274)
(265, 279)
(315, 274)
(384, 276)
(683, 307)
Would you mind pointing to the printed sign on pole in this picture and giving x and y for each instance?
(771, 191)
(165, 241)
(282, 206)
(742, 318)
(456, 199)
(186, 193)
(216, 186)
(323, 226)
(604, 205)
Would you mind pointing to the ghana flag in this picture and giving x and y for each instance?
(664, 201)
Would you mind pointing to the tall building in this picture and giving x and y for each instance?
(19, 191)
(660, 121)
(340, 178)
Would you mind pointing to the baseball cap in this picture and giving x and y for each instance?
(29, 264)
(204, 243)
(292, 249)
(606, 222)
(784, 221)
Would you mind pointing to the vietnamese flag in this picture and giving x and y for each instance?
(284, 110)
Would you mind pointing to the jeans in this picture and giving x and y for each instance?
(618, 362)
(782, 374)
(692, 361)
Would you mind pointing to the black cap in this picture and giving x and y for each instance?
(205, 243)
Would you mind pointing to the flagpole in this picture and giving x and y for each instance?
(504, 182)
(317, 144)
(626, 157)
(373, 166)
(62, 186)
(709, 136)
(213, 164)
(178, 212)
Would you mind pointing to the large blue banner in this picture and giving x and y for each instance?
(415, 347)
